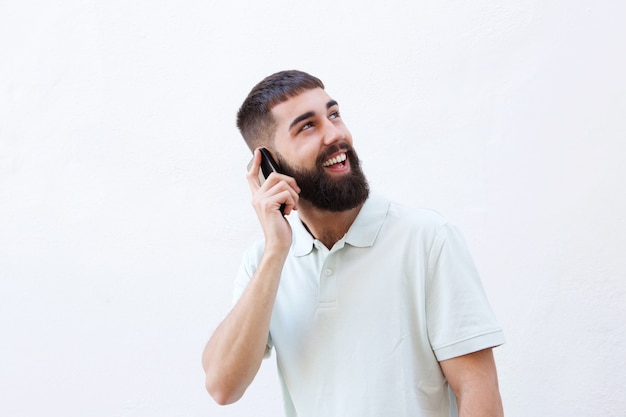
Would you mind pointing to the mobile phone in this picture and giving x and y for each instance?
(268, 165)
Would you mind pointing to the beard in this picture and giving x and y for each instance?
(328, 193)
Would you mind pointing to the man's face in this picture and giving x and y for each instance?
(315, 147)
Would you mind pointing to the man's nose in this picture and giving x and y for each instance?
(332, 133)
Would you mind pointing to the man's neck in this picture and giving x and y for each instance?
(326, 226)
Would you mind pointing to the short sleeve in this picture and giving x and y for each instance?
(459, 317)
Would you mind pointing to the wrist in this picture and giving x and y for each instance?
(276, 250)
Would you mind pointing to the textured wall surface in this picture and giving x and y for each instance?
(124, 208)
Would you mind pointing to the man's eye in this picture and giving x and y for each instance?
(306, 126)
(334, 115)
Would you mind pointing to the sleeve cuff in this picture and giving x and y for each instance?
(471, 345)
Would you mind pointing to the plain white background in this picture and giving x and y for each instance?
(124, 209)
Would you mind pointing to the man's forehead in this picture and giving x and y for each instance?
(312, 100)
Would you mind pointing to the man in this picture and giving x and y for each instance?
(374, 309)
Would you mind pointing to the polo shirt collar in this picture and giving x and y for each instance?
(362, 233)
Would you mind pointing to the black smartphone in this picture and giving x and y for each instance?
(268, 165)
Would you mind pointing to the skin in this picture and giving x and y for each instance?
(307, 125)
(474, 381)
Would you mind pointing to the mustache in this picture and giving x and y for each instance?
(342, 146)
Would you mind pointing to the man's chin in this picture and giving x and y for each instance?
(338, 194)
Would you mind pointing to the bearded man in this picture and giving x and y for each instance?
(373, 308)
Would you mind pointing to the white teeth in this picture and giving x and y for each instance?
(335, 160)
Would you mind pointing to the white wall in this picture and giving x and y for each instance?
(124, 209)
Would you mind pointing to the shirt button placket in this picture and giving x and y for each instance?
(328, 284)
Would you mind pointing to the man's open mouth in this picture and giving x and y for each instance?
(339, 159)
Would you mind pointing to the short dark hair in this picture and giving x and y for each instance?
(254, 118)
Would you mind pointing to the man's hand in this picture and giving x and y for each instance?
(278, 189)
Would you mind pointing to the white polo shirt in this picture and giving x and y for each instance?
(359, 330)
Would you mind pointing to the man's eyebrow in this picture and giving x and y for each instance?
(310, 114)
(301, 118)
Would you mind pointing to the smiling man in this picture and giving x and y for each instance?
(373, 308)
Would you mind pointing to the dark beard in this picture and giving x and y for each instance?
(326, 192)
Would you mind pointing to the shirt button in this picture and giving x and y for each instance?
(328, 272)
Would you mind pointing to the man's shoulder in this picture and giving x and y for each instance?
(401, 222)
(416, 216)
